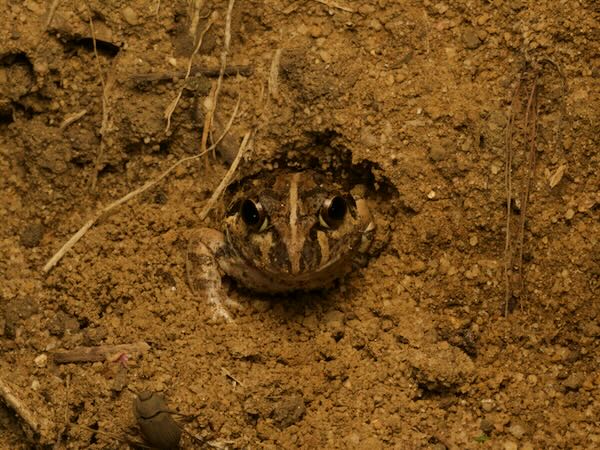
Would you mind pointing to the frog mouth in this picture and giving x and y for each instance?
(329, 267)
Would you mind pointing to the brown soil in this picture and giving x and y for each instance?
(411, 351)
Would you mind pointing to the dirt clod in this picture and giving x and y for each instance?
(289, 410)
(32, 235)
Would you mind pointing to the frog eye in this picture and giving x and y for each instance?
(254, 215)
(332, 212)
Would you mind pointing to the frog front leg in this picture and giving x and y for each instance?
(203, 274)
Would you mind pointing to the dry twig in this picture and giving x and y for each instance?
(75, 238)
(34, 420)
(99, 353)
(51, 12)
(72, 118)
(231, 70)
(169, 110)
(208, 120)
(78, 235)
(274, 74)
(514, 278)
(106, 86)
(333, 4)
(226, 179)
(229, 375)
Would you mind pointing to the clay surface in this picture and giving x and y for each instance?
(413, 350)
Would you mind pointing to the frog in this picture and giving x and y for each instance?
(281, 232)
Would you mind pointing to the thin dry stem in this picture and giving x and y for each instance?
(508, 183)
(333, 4)
(98, 353)
(169, 110)
(227, 127)
(210, 72)
(226, 179)
(228, 374)
(105, 87)
(72, 118)
(215, 95)
(274, 74)
(73, 240)
(208, 118)
(38, 424)
(194, 8)
(51, 12)
(531, 130)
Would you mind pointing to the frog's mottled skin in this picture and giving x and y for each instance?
(292, 248)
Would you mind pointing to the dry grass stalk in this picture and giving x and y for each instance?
(230, 70)
(99, 353)
(72, 118)
(514, 279)
(226, 179)
(79, 234)
(229, 375)
(106, 85)
(208, 120)
(194, 8)
(508, 252)
(75, 238)
(531, 115)
(336, 5)
(32, 418)
(274, 74)
(51, 12)
(169, 110)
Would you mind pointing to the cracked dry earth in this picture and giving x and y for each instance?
(411, 351)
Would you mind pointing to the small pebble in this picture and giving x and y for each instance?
(517, 431)
(437, 152)
(41, 360)
(574, 381)
(487, 404)
(375, 24)
(130, 15)
(471, 39)
(486, 426)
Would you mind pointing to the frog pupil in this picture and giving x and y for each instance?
(250, 213)
(337, 209)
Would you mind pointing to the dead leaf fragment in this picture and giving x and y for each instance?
(557, 175)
